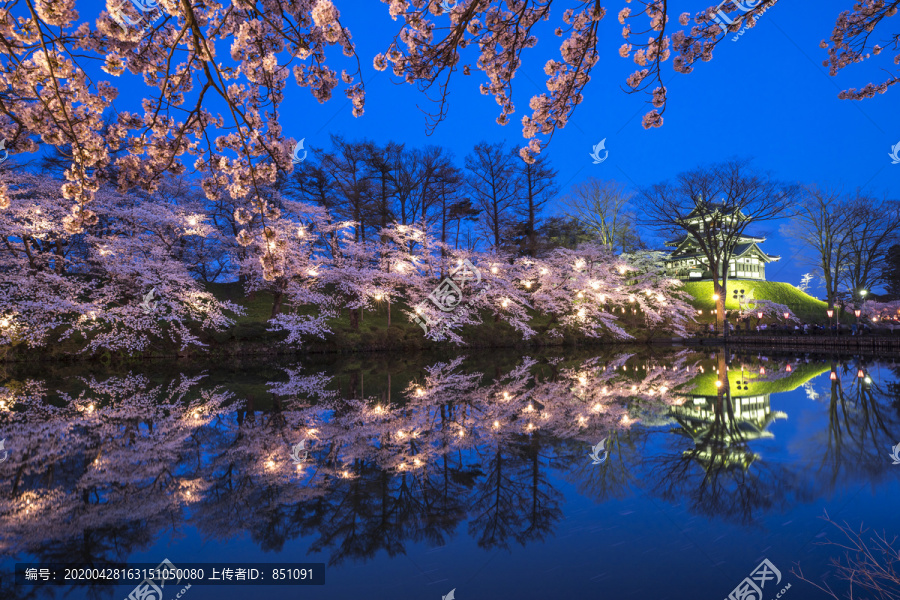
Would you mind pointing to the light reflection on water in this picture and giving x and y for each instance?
(468, 472)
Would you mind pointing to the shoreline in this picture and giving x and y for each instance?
(816, 344)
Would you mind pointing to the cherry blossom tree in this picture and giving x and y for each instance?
(581, 290)
(218, 114)
(886, 312)
(120, 283)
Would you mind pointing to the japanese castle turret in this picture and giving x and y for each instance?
(688, 263)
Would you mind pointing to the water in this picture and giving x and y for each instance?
(422, 474)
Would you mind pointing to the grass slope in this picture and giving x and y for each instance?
(705, 383)
(807, 308)
(374, 333)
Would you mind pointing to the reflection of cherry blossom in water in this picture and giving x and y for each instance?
(132, 456)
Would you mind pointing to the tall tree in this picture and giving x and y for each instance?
(462, 211)
(890, 272)
(687, 206)
(823, 223)
(604, 208)
(310, 182)
(434, 167)
(450, 196)
(876, 229)
(538, 187)
(382, 161)
(495, 187)
(347, 163)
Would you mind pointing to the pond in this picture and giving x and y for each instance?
(658, 473)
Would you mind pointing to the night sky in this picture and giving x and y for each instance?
(766, 96)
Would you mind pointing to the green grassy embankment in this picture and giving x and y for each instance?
(374, 333)
(807, 308)
(250, 335)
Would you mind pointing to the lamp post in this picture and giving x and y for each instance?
(830, 313)
(857, 312)
(759, 316)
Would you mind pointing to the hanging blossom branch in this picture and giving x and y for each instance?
(653, 53)
(711, 27)
(851, 44)
(47, 94)
(502, 31)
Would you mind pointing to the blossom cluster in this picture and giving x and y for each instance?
(311, 259)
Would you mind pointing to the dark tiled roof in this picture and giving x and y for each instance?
(680, 240)
(676, 241)
(713, 207)
(742, 249)
(739, 251)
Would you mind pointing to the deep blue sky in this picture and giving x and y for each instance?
(766, 96)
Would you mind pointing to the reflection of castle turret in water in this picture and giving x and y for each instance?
(722, 425)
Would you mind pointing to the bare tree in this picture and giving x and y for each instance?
(460, 211)
(309, 182)
(347, 165)
(823, 223)
(876, 230)
(453, 203)
(870, 566)
(603, 207)
(434, 164)
(687, 206)
(381, 162)
(495, 188)
(406, 182)
(538, 187)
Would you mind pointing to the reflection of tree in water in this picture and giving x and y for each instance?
(862, 423)
(99, 477)
(388, 467)
(615, 477)
(514, 500)
(719, 472)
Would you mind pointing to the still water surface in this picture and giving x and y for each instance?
(422, 474)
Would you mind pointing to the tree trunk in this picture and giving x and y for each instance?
(276, 303)
(720, 290)
(354, 319)
(389, 311)
(722, 364)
